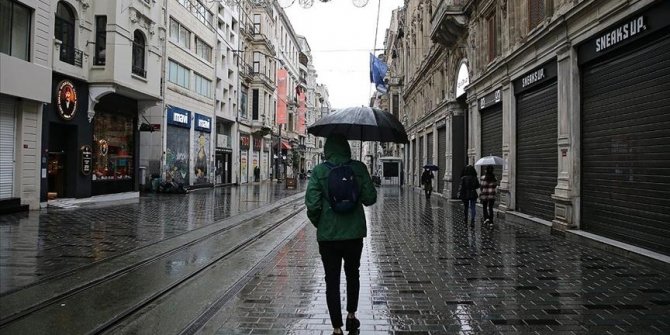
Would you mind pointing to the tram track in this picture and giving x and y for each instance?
(95, 298)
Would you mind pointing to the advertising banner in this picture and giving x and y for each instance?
(177, 154)
(202, 150)
(243, 166)
(282, 96)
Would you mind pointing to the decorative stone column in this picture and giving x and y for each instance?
(567, 192)
(507, 182)
(474, 131)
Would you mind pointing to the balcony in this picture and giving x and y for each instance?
(449, 22)
(71, 55)
(139, 71)
(245, 72)
(261, 39)
(263, 78)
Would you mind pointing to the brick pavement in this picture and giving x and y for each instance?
(425, 271)
(40, 244)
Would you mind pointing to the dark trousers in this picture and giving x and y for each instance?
(488, 209)
(332, 254)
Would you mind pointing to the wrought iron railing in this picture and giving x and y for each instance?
(139, 71)
(71, 55)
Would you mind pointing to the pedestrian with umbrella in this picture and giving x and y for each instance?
(336, 193)
(427, 179)
(487, 194)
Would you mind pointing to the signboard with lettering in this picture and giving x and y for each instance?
(203, 123)
(244, 142)
(462, 80)
(179, 117)
(490, 99)
(86, 159)
(257, 143)
(535, 77)
(625, 32)
(66, 100)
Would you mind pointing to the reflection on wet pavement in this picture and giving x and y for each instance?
(45, 243)
(425, 271)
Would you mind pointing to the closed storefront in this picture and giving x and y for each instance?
(202, 148)
(429, 149)
(244, 158)
(536, 141)
(177, 143)
(625, 163)
(441, 157)
(7, 145)
(490, 107)
(422, 156)
(412, 163)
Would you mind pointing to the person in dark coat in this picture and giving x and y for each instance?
(427, 181)
(340, 235)
(487, 194)
(467, 192)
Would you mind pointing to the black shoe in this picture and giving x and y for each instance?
(352, 324)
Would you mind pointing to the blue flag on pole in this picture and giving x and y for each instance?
(377, 73)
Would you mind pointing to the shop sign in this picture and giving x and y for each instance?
(462, 80)
(179, 117)
(535, 77)
(244, 142)
(203, 123)
(257, 144)
(66, 100)
(490, 99)
(86, 159)
(626, 31)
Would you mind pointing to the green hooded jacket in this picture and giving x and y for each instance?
(331, 226)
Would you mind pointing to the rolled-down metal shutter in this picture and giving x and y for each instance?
(441, 157)
(536, 147)
(625, 192)
(491, 133)
(421, 161)
(7, 138)
(412, 163)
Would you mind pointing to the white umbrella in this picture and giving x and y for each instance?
(490, 160)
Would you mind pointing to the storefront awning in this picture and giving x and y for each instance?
(285, 145)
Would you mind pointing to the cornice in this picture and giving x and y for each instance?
(427, 63)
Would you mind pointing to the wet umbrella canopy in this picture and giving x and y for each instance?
(362, 124)
(431, 167)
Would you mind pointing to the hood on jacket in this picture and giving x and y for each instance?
(337, 149)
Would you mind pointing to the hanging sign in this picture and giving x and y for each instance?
(66, 100)
(86, 159)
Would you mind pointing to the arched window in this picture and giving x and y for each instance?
(139, 45)
(64, 32)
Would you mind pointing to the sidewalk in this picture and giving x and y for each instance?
(39, 244)
(424, 271)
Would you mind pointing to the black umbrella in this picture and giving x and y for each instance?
(362, 124)
(431, 167)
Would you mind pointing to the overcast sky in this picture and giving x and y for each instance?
(341, 37)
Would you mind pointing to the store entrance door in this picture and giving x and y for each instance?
(62, 159)
(56, 175)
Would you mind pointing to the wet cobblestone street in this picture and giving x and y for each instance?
(425, 271)
(45, 243)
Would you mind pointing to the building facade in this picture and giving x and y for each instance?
(25, 87)
(570, 94)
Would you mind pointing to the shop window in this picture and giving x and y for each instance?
(139, 46)
(100, 40)
(113, 147)
(535, 13)
(15, 29)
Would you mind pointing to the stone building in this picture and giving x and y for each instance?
(571, 94)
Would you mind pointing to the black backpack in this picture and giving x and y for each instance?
(343, 191)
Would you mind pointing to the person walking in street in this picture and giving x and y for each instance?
(467, 192)
(336, 193)
(487, 194)
(427, 181)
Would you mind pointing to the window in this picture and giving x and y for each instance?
(257, 62)
(178, 74)
(64, 32)
(100, 40)
(113, 147)
(243, 105)
(492, 40)
(535, 13)
(203, 86)
(203, 50)
(179, 34)
(139, 45)
(15, 29)
(254, 105)
(257, 23)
